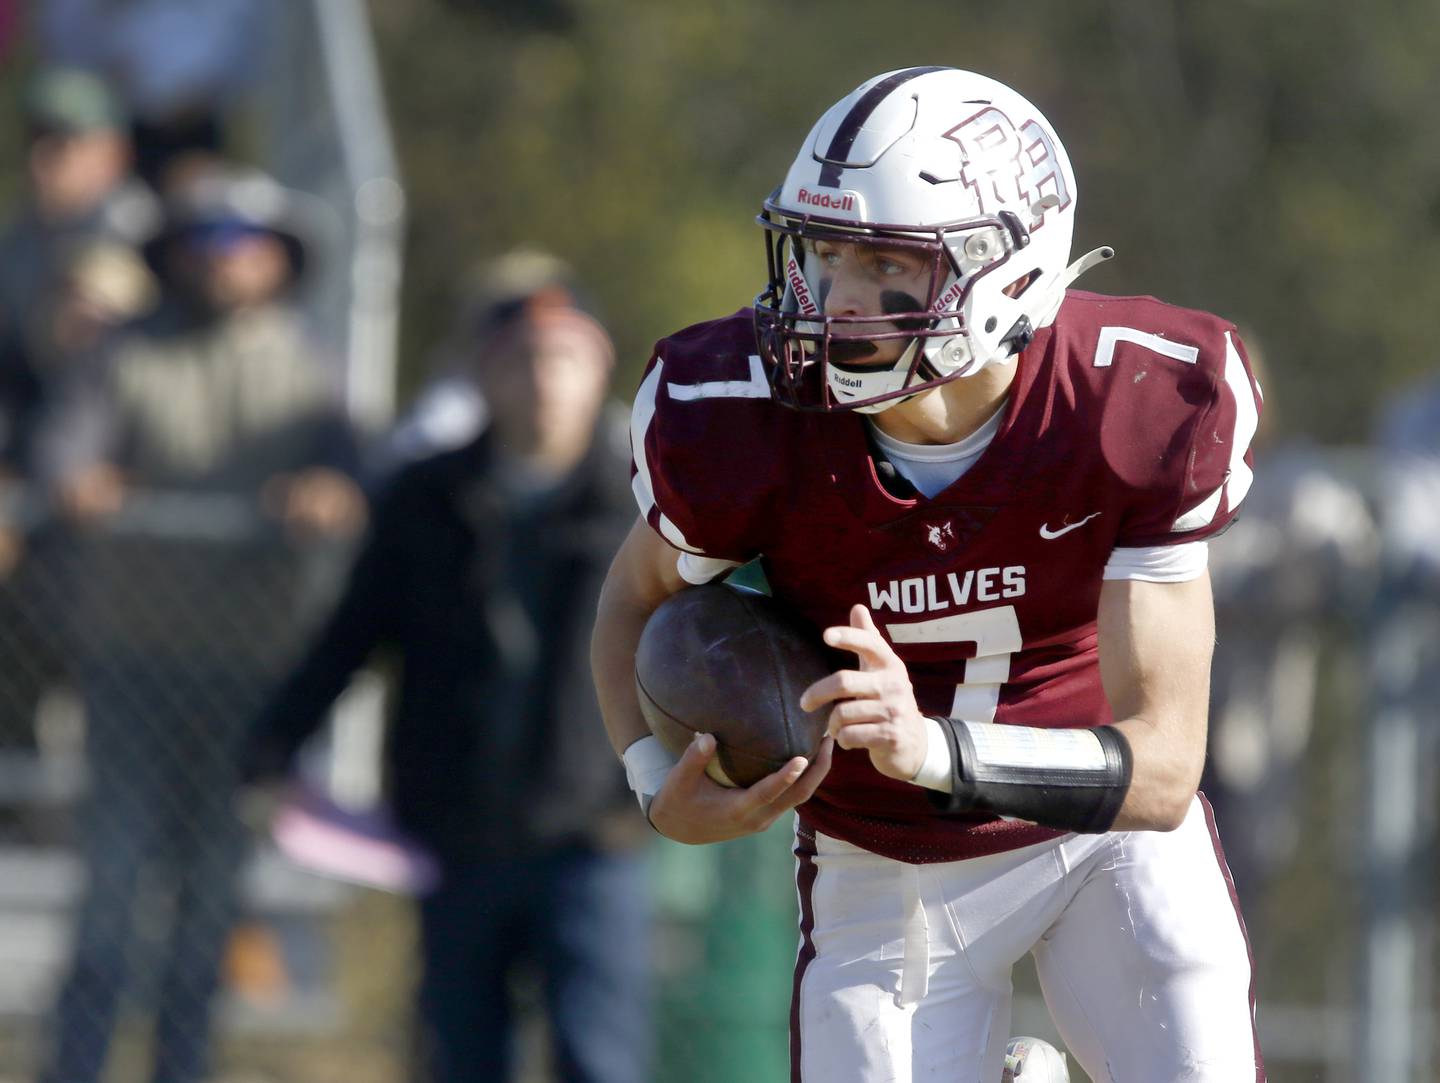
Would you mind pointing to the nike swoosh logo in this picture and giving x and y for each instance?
(1050, 535)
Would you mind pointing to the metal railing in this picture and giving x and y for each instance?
(133, 654)
(327, 132)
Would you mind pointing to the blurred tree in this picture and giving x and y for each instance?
(535, 14)
(1269, 161)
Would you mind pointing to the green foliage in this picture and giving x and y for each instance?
(1268, 161)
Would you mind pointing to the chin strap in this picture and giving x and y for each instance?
(923, 372)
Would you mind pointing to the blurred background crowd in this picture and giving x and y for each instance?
(318, 319)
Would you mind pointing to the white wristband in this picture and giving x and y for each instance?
(936, 771)
(647, 763)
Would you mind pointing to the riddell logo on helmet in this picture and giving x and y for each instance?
(832, 202)
(948, 298)
(801, 288)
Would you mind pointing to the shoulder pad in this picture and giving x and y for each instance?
(703, 439)
(1176, 406)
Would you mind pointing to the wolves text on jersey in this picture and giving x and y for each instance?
(931, 593)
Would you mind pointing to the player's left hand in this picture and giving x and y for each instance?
(875, 705)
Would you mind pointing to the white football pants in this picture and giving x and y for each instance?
(903, 972)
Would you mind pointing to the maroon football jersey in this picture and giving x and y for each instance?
(1128, 425)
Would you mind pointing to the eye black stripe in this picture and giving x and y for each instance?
(845, 135)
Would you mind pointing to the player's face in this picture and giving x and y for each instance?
(865, 279)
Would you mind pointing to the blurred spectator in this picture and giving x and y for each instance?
(222, 387)
(100, 285)
(180, 65)
(79, 194)
(69, 276)
(217, 401)
(481, 571)
(449, 410)
(79, 184)
(1401, 867)
(1298, 564)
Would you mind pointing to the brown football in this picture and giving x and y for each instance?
(732, 663)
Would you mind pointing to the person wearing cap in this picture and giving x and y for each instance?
(79, 194)
(182, 67)
(79, 183)
(70, 275)
(220, 407)
(481, 569)
(225, 363)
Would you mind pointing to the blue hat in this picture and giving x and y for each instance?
(222, 205)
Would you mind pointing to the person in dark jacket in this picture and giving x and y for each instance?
(481, 572)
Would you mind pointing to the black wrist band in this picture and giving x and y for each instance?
(1073, 780)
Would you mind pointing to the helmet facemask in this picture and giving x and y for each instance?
(816, 360)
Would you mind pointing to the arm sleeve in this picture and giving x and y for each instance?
(1178, 563)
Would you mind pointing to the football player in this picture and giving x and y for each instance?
(996, 493)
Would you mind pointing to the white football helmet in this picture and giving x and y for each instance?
(946, 162)
(1032, 1060)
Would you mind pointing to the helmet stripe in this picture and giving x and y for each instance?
(849, 129)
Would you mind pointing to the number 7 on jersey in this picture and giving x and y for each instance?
(996, 635)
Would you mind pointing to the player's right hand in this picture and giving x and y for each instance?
(693, 808)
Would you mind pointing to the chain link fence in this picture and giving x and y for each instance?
(133, 653)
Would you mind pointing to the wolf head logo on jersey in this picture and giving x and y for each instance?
(940, 535)
(944, 162)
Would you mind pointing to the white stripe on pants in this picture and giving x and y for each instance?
(1139, 948)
